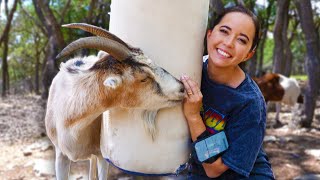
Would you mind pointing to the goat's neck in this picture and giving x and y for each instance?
(88, 101)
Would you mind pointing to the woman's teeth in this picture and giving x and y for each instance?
(223, 53)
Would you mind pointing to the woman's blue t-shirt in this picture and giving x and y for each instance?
(241, 113)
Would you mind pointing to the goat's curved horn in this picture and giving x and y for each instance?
(96, 31)
(115, 49)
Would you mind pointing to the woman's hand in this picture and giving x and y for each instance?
(192, 100)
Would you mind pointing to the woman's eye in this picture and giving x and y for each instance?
(242, 41)
(223, 31)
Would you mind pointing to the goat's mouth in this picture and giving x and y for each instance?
(175, 101)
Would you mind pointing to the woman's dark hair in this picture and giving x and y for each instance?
(246, 11)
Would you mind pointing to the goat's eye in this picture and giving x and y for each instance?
(145, 79)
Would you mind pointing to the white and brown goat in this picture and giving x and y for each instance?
(279, 89)
(85, 87)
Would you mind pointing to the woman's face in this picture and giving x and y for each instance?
(230, 41)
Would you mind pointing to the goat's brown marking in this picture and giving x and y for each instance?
(104, 99)
(107, 97)
(52, 132)
(131, 92)
(77, 118)
(109, 64)
(145, 90)
(51, 129)
(95, 134)
(270, 87)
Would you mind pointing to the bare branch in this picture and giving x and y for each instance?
(0, 6)
(9, 19)
(40, 26)
(92, 6)
(6, 9)
(240, 2)
(65, 9)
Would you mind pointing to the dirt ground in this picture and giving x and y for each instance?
(27, 154)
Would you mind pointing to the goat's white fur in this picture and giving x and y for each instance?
(291, 93)
(291, 90)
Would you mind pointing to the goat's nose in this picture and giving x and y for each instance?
(182, 89)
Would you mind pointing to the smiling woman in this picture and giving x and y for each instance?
(229, 101)
(228, 44)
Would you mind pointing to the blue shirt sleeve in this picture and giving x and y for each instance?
(245, 132)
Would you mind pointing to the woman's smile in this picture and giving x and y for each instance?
(223, 53)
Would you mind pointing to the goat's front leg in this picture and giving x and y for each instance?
(93, 168)
(278, 109)
(98, 168)
(62, 165)
(103, 168)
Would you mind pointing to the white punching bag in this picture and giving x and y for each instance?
(170, 33)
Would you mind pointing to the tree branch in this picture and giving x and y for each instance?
(0, 6)
(65, 9)
(40, 14)
(40, 26)
(90, 13)
(8, 24)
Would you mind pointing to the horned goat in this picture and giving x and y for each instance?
(280, 89)
(85, 87)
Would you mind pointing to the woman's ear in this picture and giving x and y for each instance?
(249, 55)
(209, 33)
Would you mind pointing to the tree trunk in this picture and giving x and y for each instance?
(265, 27)
(5, 73)
(240, 2)
(279, 35)
(288, 69)
(215, 7)
(0, 6)
(312, 62)
(287, 54)
(37, 67)
(55, 43)
(5, 40)
(253, 65)
(249, 66)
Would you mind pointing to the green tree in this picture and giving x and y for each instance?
(4, 39)
(312, 59)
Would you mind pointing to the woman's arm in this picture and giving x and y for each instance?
(191, 109)
(215, 169)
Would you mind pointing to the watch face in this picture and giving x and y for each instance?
(211, 146)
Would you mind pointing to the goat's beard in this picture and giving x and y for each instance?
(149, 120)
(173, 103)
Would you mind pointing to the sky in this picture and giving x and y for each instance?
(2, 5)
(10, 2)
(262, 2)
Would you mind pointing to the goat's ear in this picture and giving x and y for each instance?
(112, 82)
(101, 54)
